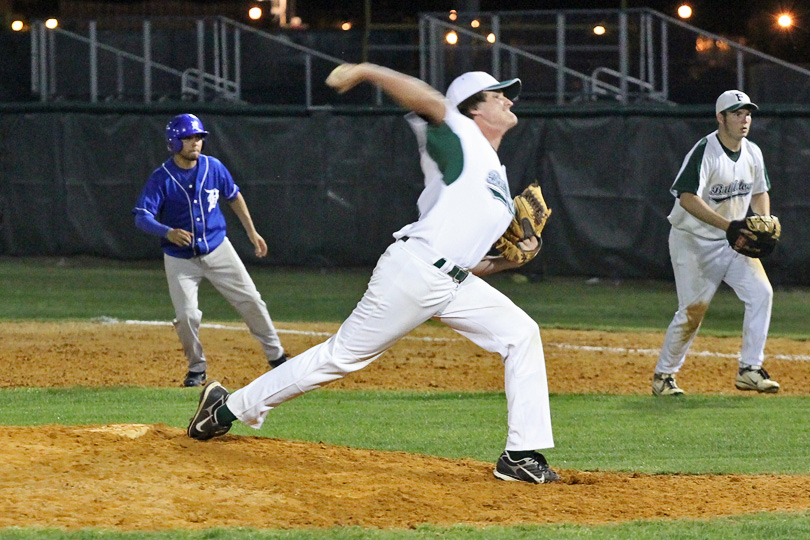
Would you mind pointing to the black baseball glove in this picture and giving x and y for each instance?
(754, 236)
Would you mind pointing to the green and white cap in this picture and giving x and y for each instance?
(731, 100)
(473, 82)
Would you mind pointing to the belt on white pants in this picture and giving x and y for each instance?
(424, 252)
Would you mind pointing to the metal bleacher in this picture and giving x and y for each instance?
(643, 57)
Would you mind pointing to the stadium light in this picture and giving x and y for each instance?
(255, 13)
(451, 38)
(491, 38)
(599, 30)
(684, 11)
(784, 20)
(17, 25)
(51, 23)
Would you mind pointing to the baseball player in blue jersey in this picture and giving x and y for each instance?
(180, 204)
(431, 271)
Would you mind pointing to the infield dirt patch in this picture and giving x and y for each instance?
(152, 477)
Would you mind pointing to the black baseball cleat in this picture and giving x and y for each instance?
(278, 361)
(533, 469)
(203, 425)
(194, 378)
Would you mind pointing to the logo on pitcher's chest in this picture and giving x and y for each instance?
(499, 188)
(722, 192)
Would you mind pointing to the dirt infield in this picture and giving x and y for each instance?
(141, 477)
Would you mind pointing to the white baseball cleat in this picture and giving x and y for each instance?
(664, 385)
(755, 378)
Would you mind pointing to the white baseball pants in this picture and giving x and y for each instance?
(405, 290)
(226, 272)
(700, 266)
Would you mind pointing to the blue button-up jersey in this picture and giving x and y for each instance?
(189, 200)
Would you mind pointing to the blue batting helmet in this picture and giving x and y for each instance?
(182, 125)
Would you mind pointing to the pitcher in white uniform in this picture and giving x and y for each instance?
(430, 271)
(721, 177)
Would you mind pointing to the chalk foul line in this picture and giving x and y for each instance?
(568, 346)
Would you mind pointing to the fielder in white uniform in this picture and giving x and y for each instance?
(184, 193)
(721, 177)
(430, 271)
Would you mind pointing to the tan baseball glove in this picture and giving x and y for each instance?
(531, 214)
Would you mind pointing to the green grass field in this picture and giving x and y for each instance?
(772, 527)
(701, 434)
(591, 431)
(82, 288)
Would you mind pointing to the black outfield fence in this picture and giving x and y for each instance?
(328, 187)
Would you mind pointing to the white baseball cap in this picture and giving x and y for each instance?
(731, 100)
(473, 82)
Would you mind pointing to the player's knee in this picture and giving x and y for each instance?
(343, 360)
(250, 305)
(763, 295)
(526, 332)
(524, 355)
(691, 317)
(768, 290)
(527, 326)
(188, 318)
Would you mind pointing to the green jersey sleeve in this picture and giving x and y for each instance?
(444, 147)
(688, 180)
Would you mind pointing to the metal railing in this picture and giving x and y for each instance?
(44, 61)
(193, 84)
(647, 55)
(504, 59)
(642, 56)
(112, 72)
(305, 55)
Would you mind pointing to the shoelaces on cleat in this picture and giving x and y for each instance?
(761, 371)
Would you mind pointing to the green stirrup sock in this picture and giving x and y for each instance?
(223, 415)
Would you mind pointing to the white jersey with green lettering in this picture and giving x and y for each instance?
(701, 257)
(725, 180)
(466, 205)
(464, 208)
